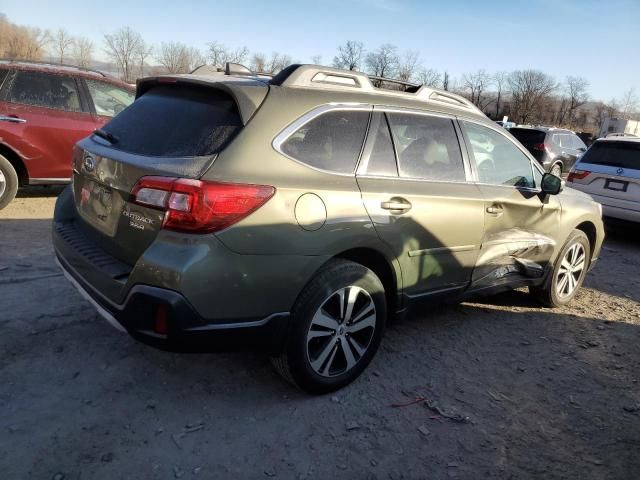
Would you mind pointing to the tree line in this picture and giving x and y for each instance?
(525, 96)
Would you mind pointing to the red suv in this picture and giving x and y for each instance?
(44, 110)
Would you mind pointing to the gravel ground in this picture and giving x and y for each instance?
(493, 388)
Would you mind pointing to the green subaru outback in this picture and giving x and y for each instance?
(300, 213)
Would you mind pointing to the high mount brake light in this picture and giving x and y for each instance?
(197, 206)
(578, 175)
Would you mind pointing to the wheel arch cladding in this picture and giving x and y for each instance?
(589, 230)
(17, 163)
(378, 264)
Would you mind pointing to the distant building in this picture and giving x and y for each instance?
(619, 125)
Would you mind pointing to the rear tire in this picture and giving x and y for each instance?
(568, 273)
(8, 182)
(337, 324)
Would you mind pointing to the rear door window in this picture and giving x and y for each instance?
(108, 100)
(614, 154)
(427, 147)
(331, 141)
(45, 90)
(176, 121)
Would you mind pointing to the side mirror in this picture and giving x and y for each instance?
(551, 185)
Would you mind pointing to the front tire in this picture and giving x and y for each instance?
(568, 272)
(337, 324)
(8, 182)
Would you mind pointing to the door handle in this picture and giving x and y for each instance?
(397, 204)
(495, 210)
(12, 119)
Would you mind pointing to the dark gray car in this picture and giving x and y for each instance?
(299, 213)
(556, 149)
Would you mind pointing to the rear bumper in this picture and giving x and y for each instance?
(615, 207)
(621, 213)
(185, 330)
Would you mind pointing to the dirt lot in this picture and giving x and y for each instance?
(513, 390)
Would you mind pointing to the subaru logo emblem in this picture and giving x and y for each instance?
(89, 163)
(620, 171)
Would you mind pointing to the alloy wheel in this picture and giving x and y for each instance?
(3, 183)
(556, 170)
(341, 331)
(570, 271)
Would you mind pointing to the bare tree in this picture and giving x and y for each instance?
(576, 89)
(82, 51)
(220, 54)
(24, 43)
(430, 77)
(445, 81)
(383, 62)
(277, 62)
(475, 85)
(121, 48)
(500, 82)
(62, 43)
(408, 66)
(349, 55)
(171, 55)
(628, 103)
(195, 58)
(177, 57)
(528, 90)
(316, 59)
(259, 62)
(612, 108)
(142, 53)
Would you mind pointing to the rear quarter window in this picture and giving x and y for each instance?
(177, 121)
(331, 141)
(614, 154)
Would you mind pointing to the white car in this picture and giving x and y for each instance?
(610, 172)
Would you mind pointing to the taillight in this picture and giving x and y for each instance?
(541, 146)
(577, 175)
(197, 206)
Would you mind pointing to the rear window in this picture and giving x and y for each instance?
(528, 137)
(177, 121)
(614, 154)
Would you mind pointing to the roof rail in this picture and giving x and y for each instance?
(51, 64)
(409, 86)
(315, 76)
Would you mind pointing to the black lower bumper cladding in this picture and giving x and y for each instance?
(183, 328)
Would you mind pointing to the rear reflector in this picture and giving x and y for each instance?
(196, 206)
(577, 175)
(160, 321)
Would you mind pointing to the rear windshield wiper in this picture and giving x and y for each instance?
(109, 137)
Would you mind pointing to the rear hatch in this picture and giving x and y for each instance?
(610, 171)
(175, 128)
(533, 140)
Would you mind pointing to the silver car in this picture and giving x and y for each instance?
(610, 172)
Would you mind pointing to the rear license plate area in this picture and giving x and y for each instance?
(616, 186)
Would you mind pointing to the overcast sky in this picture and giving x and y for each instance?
(599, 40)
